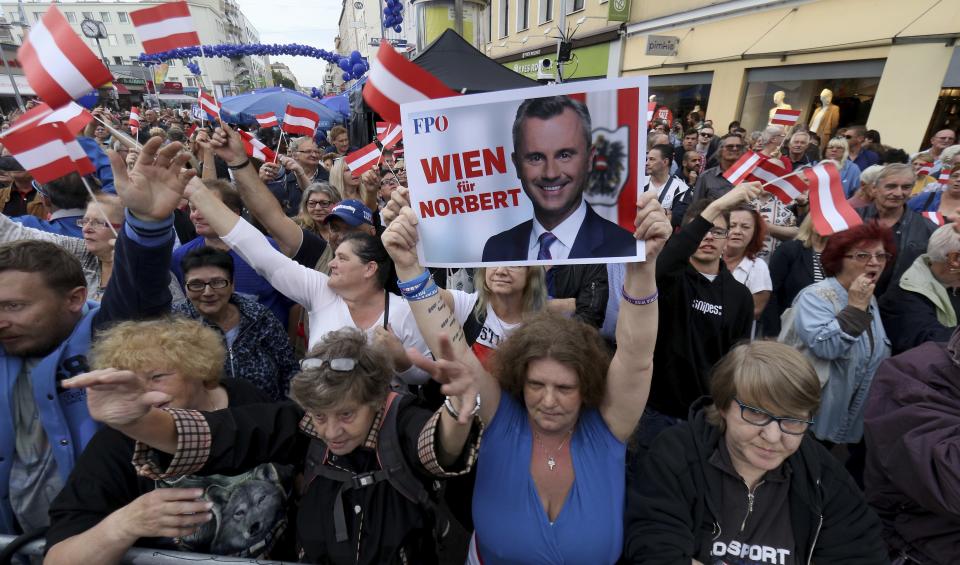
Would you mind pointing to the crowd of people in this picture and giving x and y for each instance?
(215, 354)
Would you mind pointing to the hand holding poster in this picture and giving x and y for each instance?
(534, 176)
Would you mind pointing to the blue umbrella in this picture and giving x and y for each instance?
(243, 107)
(338, 103)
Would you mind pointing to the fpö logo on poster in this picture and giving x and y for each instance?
(430, 124)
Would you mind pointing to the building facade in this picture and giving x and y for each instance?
(284, 71)
(217, 22)
(890, 65)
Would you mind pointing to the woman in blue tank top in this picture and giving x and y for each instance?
(550, 476)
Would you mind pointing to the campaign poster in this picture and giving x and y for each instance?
(533, 176)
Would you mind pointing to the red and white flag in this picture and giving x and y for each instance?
(363, 159)
(48, 151)
(382, 127)
(743, 167)
(300, 121)
(255, 148)
(209, 105)
(74, 116)
(134, 120)
(829, 208)
(165, 27)
(392, 136)
(58, 65)
(786, 189)
(651, 108)
(267, 120)
(785, 117)
(944, 176)
(394, 80)
(924, 168)
(935, 217)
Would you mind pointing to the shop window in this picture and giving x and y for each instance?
(852, 86)
(682, 94)
(946, 114)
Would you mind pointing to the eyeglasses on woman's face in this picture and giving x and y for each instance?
(760, 417)
(864, 257)
(200, 286)
(319, 203)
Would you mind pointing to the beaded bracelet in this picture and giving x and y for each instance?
(414, 284)
(639, 301)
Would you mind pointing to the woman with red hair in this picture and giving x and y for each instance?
(745, 239)
(837, 322)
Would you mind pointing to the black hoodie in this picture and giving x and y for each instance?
(672, 513)
(700, 321)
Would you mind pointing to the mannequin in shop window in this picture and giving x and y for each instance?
(779, 103)
(825, 118)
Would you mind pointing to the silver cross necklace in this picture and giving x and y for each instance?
(551, 457)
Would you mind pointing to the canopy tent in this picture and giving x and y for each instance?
(243, 107)
(458, 65)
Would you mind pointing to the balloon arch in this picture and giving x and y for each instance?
(353, 66)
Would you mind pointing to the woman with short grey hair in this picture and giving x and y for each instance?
(924, 305)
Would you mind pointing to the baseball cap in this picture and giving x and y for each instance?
(351, 211)
(8, 163)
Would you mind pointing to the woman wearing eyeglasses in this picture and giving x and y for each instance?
(94, 250)
(318, 199)
(258, 350)
(837, 324)
(741, 482)
(370, 457)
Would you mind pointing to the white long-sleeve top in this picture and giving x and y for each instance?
(328, 311)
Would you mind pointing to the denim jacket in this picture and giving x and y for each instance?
(853, 360)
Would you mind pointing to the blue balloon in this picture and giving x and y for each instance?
(344, 64)
(355, 57)
(89, 100)
(345, 77)
(359, 68)
(397, 28)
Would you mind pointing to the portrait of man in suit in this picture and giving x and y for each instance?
(553, 155)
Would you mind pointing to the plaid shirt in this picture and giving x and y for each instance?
(194, 441)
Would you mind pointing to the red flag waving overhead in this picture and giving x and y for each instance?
(267, 120)
(74, 116)
(134, 120)
(57, 63)
(299, 121)
(209, 105)
(390, 137)
(255, 148)
(739, 170)
(165, 27)
(394, 80)
(363, 159)
(785, 117)
(48, 151)
(778, 180)
(828, 204)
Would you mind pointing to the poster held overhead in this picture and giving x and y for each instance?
(534, 176)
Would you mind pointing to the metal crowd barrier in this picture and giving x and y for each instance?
(145, 556)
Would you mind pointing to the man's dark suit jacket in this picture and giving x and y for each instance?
(597, 237)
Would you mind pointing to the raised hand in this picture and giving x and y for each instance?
(860, 292)
(269, 172)
(398, 199)
(400, 239)
(228, 145)
(165, 513)
(744, 192)
(115, 397)
(153, 188)
(384, 338)
(652, 225)
(459, 379)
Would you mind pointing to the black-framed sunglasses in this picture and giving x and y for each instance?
(760, 417)
(338, 364)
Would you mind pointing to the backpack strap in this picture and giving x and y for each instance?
(391, 459)
(472, 326)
